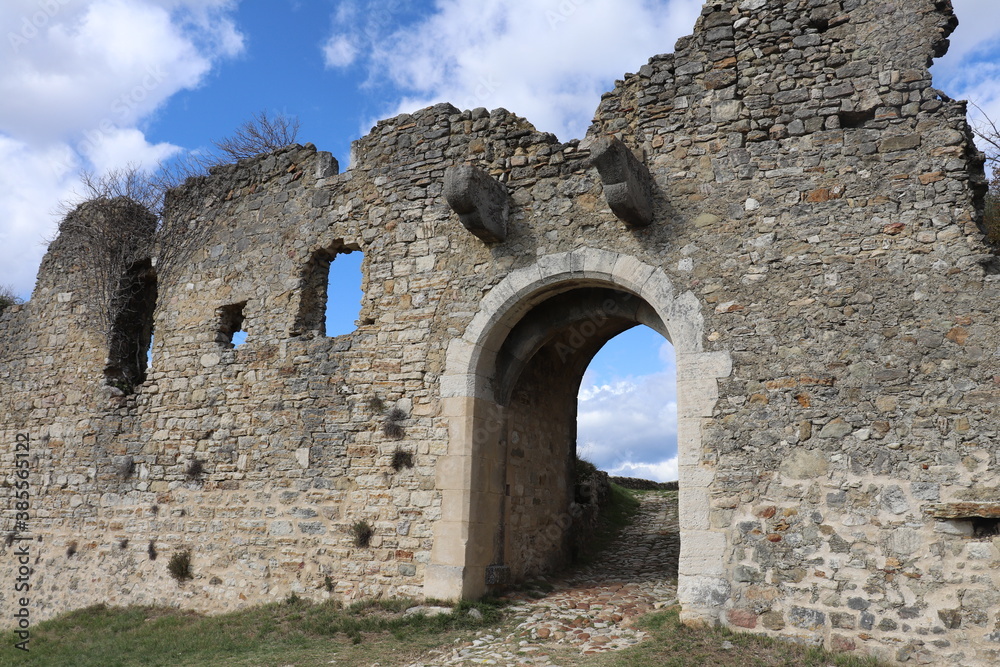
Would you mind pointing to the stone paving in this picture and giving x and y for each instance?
(592, 609)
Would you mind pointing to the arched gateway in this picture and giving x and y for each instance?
(515, 372)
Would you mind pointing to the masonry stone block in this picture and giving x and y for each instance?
(599, 264)
(699, 553)
(700, 592)
(631, 273)
(628, 185)
(479, 200)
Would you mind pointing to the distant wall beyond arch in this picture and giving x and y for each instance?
(466, 476)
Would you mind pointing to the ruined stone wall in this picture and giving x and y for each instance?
(813, 234)
(541, 448)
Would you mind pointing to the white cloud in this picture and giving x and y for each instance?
(340, 51)
(34, 180)
(663, 471)
(79, 80)
(127, 147)
(629, 423)
(103, 62)
(547, 60)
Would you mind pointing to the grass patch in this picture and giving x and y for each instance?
(616, 514)
(363, 533)
(672, 644)
(290, 632)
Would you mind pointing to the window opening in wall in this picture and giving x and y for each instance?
(231, 333)
(331, 292)
(131, 335)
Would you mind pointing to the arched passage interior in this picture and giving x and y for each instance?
(539, 369)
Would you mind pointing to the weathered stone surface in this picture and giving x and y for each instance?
(964, 510)
(820, 248)
(894, 500)
(837, 428)
(742, 618)
(809, 619)
(479, 200)
(805, 464)
(628, 185)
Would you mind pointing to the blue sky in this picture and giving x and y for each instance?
(99, 84)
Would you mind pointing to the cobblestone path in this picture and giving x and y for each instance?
(589, 611)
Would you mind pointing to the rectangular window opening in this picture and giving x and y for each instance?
(985, 527)
(332, 292)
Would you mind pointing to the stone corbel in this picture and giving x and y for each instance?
(628, 185)
(479, 199)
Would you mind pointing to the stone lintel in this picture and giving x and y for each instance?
(968, 510)
(479, 199)
(628, 185)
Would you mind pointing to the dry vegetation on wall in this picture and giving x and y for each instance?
(8, 298)
(991, 213)
(114, 229)
(114, 222)
(988, 138)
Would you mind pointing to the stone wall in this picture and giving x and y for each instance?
(811, 252)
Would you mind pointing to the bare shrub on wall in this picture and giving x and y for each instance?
(113, 232)
(8, 298)
(261, 133)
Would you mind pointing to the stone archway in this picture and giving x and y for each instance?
(532, 310)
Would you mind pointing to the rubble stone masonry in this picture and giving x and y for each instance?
(792, 204)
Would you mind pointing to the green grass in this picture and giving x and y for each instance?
(672, 644)
(286, 633)
(300, 633)
(615, 516)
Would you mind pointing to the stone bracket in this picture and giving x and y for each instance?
(479, 199)
(628, 185)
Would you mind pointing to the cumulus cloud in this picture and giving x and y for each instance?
(547, 60)
(629, 427)
(121, 147)
(79, 80)
(34, 179)
(663, 471)
(340, 51)
(103, 62)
